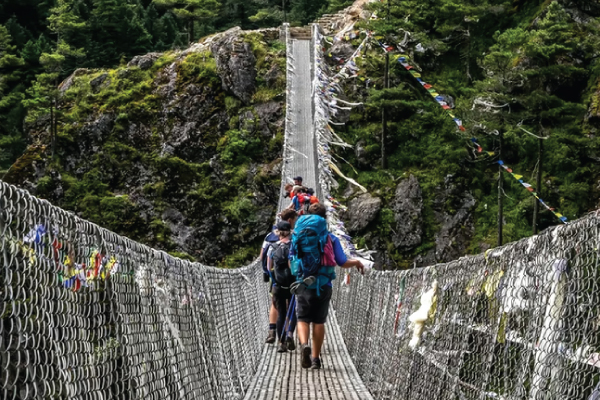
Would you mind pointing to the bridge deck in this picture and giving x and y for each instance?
(280, 375)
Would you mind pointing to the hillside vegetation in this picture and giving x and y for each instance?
(510, 69)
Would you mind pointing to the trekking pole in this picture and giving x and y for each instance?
(293, 307)
(289, 313)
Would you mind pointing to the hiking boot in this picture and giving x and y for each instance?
(315, 363)
(282, 348)
(306, 362)
(289, 342)
(271, 337)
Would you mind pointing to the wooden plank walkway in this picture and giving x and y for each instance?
(280, 375)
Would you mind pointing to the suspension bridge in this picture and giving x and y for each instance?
(87, 314)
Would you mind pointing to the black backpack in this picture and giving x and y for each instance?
(281, 269)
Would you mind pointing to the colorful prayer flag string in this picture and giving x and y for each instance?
(440, 100)
(526, 185)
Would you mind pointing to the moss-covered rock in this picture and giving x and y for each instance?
(170, 149)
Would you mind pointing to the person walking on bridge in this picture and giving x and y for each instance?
(315, 269)
(271, 238)
(279, 266)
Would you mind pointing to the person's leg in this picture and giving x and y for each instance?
(320, 312)
(281, 305)
(272, 334)
(303, 332)
(317, 339)
(272, 314)
(303, 312)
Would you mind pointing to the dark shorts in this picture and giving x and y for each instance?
(313, 308)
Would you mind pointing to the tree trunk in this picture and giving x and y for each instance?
(538, 186)
(386, 84)
(52, 126)
(191, 31)
(500, 193)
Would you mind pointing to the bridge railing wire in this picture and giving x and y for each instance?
(518, 322)
(87, 314)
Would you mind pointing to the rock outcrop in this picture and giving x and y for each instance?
(362, 210)
(171, 150)
(408, 209)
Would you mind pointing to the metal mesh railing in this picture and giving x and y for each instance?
(87, 314)
(519, 322)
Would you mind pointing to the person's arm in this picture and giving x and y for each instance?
(340, 257)
(354, 263)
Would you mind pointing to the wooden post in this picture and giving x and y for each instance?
(500, 193)
(538, 187)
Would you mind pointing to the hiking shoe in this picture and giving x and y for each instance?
(282, 348)
(271, 337)
(306, 362)
(315, 363)
(289, 342)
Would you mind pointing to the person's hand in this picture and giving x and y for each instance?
(360, 267)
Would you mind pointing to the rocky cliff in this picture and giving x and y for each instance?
(180, 150)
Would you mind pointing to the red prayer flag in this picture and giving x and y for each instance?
(479, 149)
(462, 128)
(408, 67)
(509, 170)
(530, 189)
(427, 86)
(446, 107)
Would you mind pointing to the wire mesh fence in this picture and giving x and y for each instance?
(519, 322)
(87, 314)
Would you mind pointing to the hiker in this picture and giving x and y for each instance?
(314, 252)
(280, 266)
(287, 190)
(300, 200)
(311, 193)
(272, 238)
(298, 181)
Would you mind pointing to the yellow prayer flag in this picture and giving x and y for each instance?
(517, 176)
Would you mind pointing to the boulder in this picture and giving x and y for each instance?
(408, 208)
(144, 61)
(362, 210)
(236, 65)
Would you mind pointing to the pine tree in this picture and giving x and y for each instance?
(191, 11)
(11, 141)
(44, 94)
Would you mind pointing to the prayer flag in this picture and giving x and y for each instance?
(445, 107)
(563, 219)
(415, 74)
(509, 170)
(427, 86)
(462, 128)
(491, 153)
(431, 90)
(518, 177)
(500, 162)
(530, 189)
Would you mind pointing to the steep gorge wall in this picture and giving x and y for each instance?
(180, 150)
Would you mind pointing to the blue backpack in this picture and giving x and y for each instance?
(308, 244)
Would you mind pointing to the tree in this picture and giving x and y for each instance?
(44, 94)
(534, 83)
(11, 141)
(191, 11)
